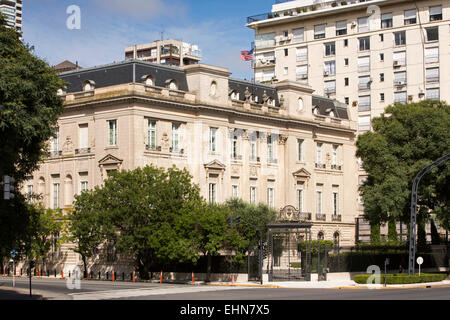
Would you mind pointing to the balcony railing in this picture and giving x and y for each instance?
(83, 151)
(336, 167)
(236, 157)
(321, 166)
(336, 218)
(176, 151)
(153, 148)
(321, 217)
(53, 154)
(255, 159)
(305, 216)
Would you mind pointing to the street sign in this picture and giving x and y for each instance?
(13, 253)
(419, 261)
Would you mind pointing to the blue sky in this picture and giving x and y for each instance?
(108, 26)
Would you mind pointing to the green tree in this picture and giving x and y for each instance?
(406, 138)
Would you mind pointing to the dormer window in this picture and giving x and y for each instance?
(60, 92)
(316, 111)
(148, 80)
(332, 114)
(88, 85)
(234, 95)
(172, 84)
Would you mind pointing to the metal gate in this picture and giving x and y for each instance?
(253, 264)
(289, 241)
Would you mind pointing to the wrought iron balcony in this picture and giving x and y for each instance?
(321, 217)
(153, 148)
(236, 157)
(83, 151)
(336, 218)
(336, 167)
(53, 154)
(321, 166)
(305, 216)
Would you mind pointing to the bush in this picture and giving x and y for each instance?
(402, 278)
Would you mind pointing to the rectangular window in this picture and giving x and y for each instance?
(151, 134)
(334, 158)
(433, 94)
(265, 40)
(346, 81)
(319, 153)
(432, 75)
(234, 147)
(300, 200)
(381, 56)
(364, 103)
(335, 203)
(347, 100)
(212, 193)
(84, 137)
(386, 20)
(410, 17)
(29, 194)
(286, 71)
(235, 191)
(330, 87)
(345, 42)
(381, 37)
(253, 195)
(269, 149)
(363, 64)
(364, 83)
(399, 58)
(400, 38)
(330, 68)
(400, 97)
(432, 34)
(319, 201)
(55, 141)
(364, 123)
(302, 54)
(286, 52)
(364, 44)
(346, 61)
(268, 75)
(271, 197)
(175, 137)
(400, 78)
(435, 13)
(212, 139)
(300, 149)
(432, 55)
(55, 196)
(381, 96)
(83, 186)
(363, 24)
(381, 77)
(302, 73)
(330, 48)
(253, 147)
(319, 31)
(112, 124)
(341, 28)
(299, 35)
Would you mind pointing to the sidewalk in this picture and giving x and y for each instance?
(7, 293)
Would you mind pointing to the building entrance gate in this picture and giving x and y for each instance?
(289, 241)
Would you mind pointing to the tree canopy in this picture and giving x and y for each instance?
(406, 138)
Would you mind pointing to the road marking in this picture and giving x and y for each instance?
(134, 293)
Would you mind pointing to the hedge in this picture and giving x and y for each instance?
(402, 278)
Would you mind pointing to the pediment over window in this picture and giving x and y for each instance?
(215, 165)
(110, 160)
(302, 174)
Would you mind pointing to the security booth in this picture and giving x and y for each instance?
(289, 241)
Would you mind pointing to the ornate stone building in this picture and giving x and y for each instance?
(277, 144)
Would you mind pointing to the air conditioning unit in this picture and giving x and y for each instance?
(326, 73)
(399, 83)
(397, 63)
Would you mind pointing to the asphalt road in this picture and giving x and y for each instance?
(102, 290)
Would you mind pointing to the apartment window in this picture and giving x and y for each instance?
(432, 75)
(268, 75)
(300, 149)
(364, 123)
(364, 44)
(330, 87)
(400, 97)
(265, 40)
(400, 78)
(29, 194)
(286, 71)
(212, 193)
(55, 141)
(270, 157)
(83, 186)
(319, 31)
(347, 81)
(363, 64)
(212, 139)
(364, 103)
(364, 83)
(381, 56)
(335, 203)
(84, 137)
(346, 61)
(381, 37)
(175, 137)
(271, 197)
(400, 38)
(381, 96)
(299, 34)
(363, 24)
(234, 147)
(432, 34)
(286, 52)
(399, 58)
(432, 55)
(302, 54)
(319, 201)
(253, 195)
(253, 147)
(330, 68)
(302, 72)
(345, 42)
(112, 125)
(386, 20)
(334, 158)
(300, 200)
(410, 17)
(433, 94)
(319, 153)
(55, 196)
(235, 191)
(341, 28)
(435, 13)
(381, 77)
(347, 100)
(151, 134)
(330, 49)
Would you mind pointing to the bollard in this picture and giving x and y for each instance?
(160, 277)
(107, 276)
(99, 276)
(69, 274)
(20, 272)
(134, 276)
(192, 278)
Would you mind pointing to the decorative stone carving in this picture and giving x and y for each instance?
(282, 139)
(68, 146)
(265, 97)
(165, 140)
(253, 171)
(247, 94)
(235, 170)
(282, 102)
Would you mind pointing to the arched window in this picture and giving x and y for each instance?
(173, 85)
(320, 236)
(234, 95)
(149, 81)
(332, 114)
(300, 104)
(88, 85)
(316, 111)
(336, 239)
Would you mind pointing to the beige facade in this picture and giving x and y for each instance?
(369, 54)
(12, 13)
(231, 147)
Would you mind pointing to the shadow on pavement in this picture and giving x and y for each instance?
(10, 294)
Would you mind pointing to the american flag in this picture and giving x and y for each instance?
(247, 55)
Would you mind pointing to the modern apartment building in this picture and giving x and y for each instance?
(368, 53)
(169, 52)
(12, 12)
(257, 142)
